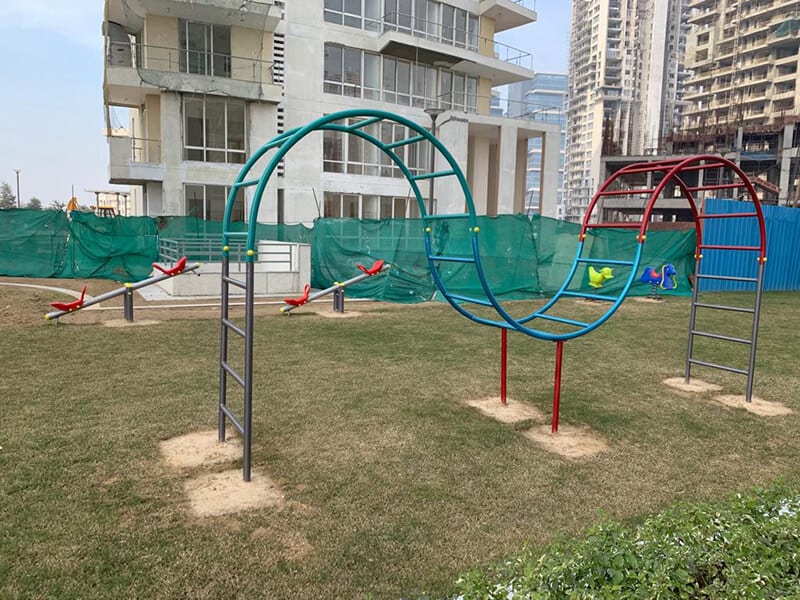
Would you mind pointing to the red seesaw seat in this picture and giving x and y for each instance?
(70, 306)
(375, 268)
(302, 299)
(178, 268)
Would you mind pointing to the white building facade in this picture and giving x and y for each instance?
(209, 82)
(626, 79)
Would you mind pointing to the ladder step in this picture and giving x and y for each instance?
(625, 225)
(726, 215)
(411, 140)
(236, 282)
(242, 184)
(235, 233)
(451, 216)
(724, 307)
(458, 259)
(472, 300)
(717, 336)
(600, 261)
(233, 327)
(591, 296)
(562, 320)
(232, 373)
(364, 123)
(234, 421)
(727, 278)
(727, 247)
(703, 363)
(626, 192)
(432, 175)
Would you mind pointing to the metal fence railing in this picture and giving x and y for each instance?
(204, 248)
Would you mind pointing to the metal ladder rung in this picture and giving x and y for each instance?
(727, 247)
(724, 307)
(234, 421)
(600, 261)
(458, 259)
(591, 296)
(411, 140)
(626, 192)
(232, 373)
(363, 123)
(236, 233)
(717, 336)
(727, 278)
(472, 300)
(246, 183)
(625, 225)
(432, 175)
(562, 320)
(451, 216)
(235, 328)
(703, 363)
(236, 282)
(726, 215)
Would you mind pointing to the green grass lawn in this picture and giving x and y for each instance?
(393, 487)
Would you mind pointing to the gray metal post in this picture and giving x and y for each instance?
(128, 303)
(223, 348)
(338, 300)
(756, 315)
(693, 317)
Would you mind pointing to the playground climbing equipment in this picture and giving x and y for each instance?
(337, 289)
(63, 308)
(550, 322)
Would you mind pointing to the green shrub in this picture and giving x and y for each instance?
(747, 547)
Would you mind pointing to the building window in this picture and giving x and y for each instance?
(214, 129)
(359, 74)
(347, 153)
(205, 48)
(208, 202)
(368, 206)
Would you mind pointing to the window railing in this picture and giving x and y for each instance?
(177, 60)
(144, 150)
(452, 36)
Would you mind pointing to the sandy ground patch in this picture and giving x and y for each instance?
(649, 299)
(330, 314)
(572, 442)
(756, 406)
(200, 448)
(134, 323)
(694, 385)
(512, 412)
(224, 493)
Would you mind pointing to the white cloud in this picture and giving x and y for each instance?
(77, 20)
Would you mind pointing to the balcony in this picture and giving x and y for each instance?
(465, 51)
(508, 14)
(135, 70)
(134, 161)
(251, 14)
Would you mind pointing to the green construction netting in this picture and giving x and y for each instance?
(522, 257)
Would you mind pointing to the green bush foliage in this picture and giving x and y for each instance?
(747, 547)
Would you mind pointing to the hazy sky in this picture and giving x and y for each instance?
(51, 77)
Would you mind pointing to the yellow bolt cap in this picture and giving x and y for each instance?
(226, 248)
(250, 253)
(427, 230)
(476, 229)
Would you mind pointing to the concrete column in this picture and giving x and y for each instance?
(507, 166)
(454, 134)
(521, 176)
(787, 154)
(548, 186)
(479, 173)
(171, 156)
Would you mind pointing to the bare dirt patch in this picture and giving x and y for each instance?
(200, 448)
(330, 314)
(134, 323)
(649, 299)
(756, 406)
(571, 442)
(694, 385)
(512, 412)
(224, 493)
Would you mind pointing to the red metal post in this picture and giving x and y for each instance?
(503, 362)
(557, 385)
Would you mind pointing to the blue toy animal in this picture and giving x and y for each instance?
(665, 280)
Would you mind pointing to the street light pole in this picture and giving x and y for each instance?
(18, 171)
(433, 112)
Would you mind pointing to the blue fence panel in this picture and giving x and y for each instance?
(782, 270)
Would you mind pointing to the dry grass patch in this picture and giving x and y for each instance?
(568, 441)
(756, 406)
(511, 412)
(225, 493)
